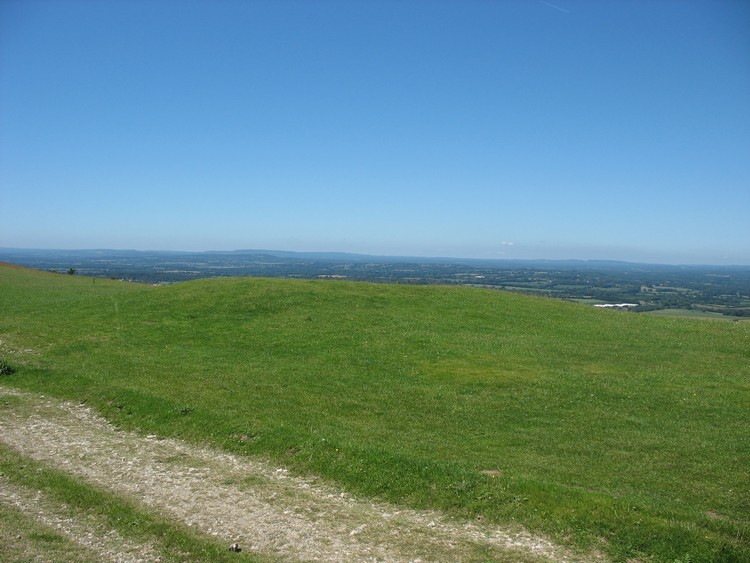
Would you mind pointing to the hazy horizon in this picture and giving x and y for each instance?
(520, 129)
(539, 258)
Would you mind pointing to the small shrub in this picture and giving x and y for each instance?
(6, 368)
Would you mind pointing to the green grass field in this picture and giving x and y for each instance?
(694, 314)
(618, 432)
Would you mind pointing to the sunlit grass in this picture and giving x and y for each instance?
(602, 428)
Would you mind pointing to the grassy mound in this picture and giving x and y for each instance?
(604, 429)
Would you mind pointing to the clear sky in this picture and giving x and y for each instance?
(469, 128)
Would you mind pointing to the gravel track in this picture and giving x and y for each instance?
(87, 530)
(260, 506)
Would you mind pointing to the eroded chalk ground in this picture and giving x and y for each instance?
(96, 541)
(236, 499)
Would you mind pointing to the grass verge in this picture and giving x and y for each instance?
(23, 538)
(173, 541)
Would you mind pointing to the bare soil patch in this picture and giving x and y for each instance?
(261, 507)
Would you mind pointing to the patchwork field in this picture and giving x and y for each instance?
(612, 434)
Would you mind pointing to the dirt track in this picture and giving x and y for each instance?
(257, 505)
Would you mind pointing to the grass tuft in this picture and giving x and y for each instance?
(6, 368)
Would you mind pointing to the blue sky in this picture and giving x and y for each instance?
(517, 129)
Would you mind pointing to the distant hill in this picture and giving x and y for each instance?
(24, 255)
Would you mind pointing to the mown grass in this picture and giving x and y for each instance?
(604, 429)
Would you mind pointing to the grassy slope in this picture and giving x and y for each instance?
(621, 430)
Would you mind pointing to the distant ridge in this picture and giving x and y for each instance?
(8, 253)
(24, 255)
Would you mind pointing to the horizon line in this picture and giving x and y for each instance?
(369, 255)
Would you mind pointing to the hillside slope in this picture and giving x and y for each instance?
(600, 428)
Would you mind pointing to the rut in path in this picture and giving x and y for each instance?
(257, 505)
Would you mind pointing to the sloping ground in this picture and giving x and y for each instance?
(238, 500)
